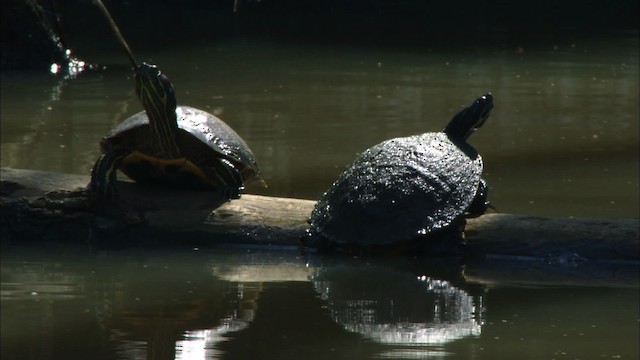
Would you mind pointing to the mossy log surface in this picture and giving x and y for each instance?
(43, 206)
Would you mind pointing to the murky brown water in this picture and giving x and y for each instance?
(562, 141)
(189, 304)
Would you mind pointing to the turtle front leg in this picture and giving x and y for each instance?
(103, 175)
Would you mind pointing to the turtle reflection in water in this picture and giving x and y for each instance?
(395, 306)
(407, 193)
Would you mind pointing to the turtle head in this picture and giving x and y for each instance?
(465, 122)
(155, 92)
(158, 98)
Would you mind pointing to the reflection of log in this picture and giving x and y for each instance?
(39, 206)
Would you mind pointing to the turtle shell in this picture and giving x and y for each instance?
(397, 190)
(203, 139)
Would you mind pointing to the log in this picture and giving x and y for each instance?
(42, 206)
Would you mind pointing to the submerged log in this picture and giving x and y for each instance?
(45, 206)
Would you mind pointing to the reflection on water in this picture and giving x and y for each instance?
(561, 141)
(201, 344)
(159, 309)
(398, 308)
(225, 304)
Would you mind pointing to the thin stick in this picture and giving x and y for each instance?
(115, 29)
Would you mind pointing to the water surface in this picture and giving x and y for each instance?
(562, 140)
(230, 304)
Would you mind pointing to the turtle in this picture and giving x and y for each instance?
(174, 146)
(171, 145)
(410, 192)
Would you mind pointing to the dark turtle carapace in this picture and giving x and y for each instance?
(413, 190)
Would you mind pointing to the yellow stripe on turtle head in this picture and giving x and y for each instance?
(155, 92)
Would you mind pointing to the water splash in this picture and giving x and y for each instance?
(67, 65)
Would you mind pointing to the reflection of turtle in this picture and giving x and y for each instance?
(406, 188)
(177, 146)
(390, 305)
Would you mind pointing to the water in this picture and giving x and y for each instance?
(227, 304)
(562, 140)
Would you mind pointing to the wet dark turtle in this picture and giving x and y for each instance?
(406, 189)
(175, 146)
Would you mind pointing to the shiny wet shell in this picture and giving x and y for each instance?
(397, 190)
(205, 138)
